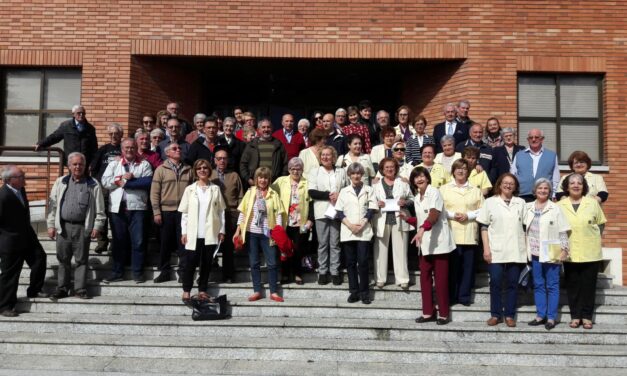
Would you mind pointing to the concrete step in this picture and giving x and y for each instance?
(62, 365)
(312, 349)
(296, 308)
(311, 291)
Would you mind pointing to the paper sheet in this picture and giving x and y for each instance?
(391, 205)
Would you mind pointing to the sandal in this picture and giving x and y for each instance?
(587, 324)
(575, 323)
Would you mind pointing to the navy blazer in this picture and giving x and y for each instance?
(500, 163)
(439, 131)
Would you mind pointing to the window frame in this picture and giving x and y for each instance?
(558, 119)
(39, 112)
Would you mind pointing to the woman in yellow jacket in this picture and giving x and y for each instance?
(293, 192)
(586, 219)
(202, 227)
(462, 202)
(260, 210)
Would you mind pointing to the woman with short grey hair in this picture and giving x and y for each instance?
(448, 154)
(156, 136)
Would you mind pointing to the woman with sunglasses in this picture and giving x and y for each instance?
(202, 228)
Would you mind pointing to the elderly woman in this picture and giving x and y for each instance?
(580, 163)
(493, 136)
(356, 204)
(202, 228)
(547, 246)
(293, 192)
(156, 136)
(417, 140)
(448, 155)
(403, 128)
(502, 156)
(199, 124)
(392, 191)
(260, 210)
(462, 202)
(586, 220)
(311, 155)
(383, 150)
(356, 155)
(435, 243)
(303, 129)
(439, 176)
(325, 183)
(504, 247)
(477, 178)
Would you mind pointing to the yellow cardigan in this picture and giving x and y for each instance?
(273, 206)
(283, 186)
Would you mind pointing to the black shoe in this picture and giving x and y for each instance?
(549, 325)
(366, 300)
(337, 280)
(442, 321)
(38, 295)
(58, 294)
(139, 279)
(101, 247)
(163, 277)
(82, 294)
(323, 279)
(535, 322)
(353, 298)
(9, 313)
(113, 278)
(422, 319)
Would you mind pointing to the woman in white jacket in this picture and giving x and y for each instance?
(388, 224)
(202, 228)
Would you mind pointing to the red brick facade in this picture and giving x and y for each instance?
(475, 51)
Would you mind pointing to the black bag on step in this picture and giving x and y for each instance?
(215, 309)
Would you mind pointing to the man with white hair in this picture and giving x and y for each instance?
(75, 215)
(462, 109)
(340, 119)
(77, 135)
(451, 127)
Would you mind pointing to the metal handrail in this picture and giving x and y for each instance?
(48, 151)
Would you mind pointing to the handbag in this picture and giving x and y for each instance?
(524, 279)
(214, 309)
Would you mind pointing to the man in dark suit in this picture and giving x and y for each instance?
(77, 135)
(450, 127)
(18, 242)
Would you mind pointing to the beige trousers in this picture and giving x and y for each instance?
(399, 255)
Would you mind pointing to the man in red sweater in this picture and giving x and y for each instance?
(291, 139)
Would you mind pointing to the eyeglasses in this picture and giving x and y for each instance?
(148, 121)
(399, 149)
(175, 149)
(221, 158)
(403, 114)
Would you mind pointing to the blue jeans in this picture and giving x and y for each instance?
(128, 232)
(508, 273)
(257, 242)
(546, 288)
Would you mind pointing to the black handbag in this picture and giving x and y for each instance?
(214, 309)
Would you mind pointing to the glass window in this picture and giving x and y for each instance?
(36, 102)
(566, 108)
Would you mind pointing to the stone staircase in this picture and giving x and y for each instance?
(133, 328)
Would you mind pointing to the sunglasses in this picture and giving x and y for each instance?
(399, 149)
(175, 149)
(148, 121)
(202, 168)
(318, 118)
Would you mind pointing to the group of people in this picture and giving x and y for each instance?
(356, 181)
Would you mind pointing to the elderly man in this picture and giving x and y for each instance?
(18, 242)
(289, 137)
(234, 146)
(204, 147)
(106, 154)
(533, 163)
(128, 180)
(168, 184)
(174, 111)
(340, 119)
(77, 135)
(238, 114)
(462, 109)
(263, 151)
(485, 151)
(143, 149)
(174, 128)
(75, 214)
(199, 123)
(383, 119)
(233, 190)
(334, 137)
(449, 126)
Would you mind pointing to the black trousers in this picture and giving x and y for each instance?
(170, 240)
(227, 248)
(292, 266)
(356, 253)
(201, 257)
(36, 260)
(11, 262)
(581, 285)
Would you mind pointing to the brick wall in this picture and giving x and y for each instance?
(495, 39)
